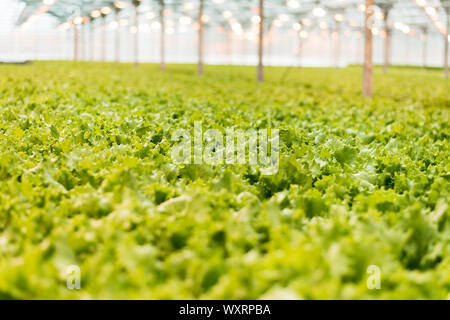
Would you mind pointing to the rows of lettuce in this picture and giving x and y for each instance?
(87, 179)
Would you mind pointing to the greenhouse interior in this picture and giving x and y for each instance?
(224, 150)
(308, 33)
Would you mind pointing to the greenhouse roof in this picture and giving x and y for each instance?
(408, 16)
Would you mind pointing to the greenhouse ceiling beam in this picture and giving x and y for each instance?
(242, 10)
